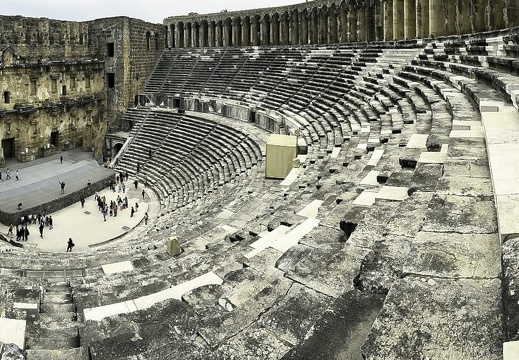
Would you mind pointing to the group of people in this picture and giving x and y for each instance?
(22, 231)
(8, 175)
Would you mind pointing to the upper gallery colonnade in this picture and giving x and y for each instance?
(324, 22)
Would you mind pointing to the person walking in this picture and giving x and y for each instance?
(8, 174)
(70, 245)
(17, 173)
(146, 218)
(41, 230)
(143, 193)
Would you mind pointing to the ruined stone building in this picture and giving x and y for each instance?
(66, 84)
(388, 229)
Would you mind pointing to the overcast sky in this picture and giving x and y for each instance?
(149, 10)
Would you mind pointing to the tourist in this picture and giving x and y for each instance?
(132, 212)
(17, 173)
(1, 176)
(62, 185)
(61, 159)
(8, 174)
(49, 220)
(143, 193)
(10, 231)
(136, 183)
(25, 233)
(82, 201)
(70, 245)
(146, 218)
(41, 230)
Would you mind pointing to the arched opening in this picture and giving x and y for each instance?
(148, 40)
(180, 35)
(173, 33)
(117, 147)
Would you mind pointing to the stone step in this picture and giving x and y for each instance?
(52, 339)
(79, 353)
(57, 298)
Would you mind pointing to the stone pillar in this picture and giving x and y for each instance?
(245, 32)
(379, 21)
(236, 32)
(494, 13)
(211, 34)
(477, 15)
(463, 17)
(361, 24)
(511, 13)
(450, 18)
(388, 20)
(274, 30)
(410, 19)
(294, 28)
(369, 22)
(333, 28)
(352, 24)
(304, 24)
(343, 23)
(181, 41)
(219, 34)
(195, 34)
(314, 29)
(398, 19)
(323, 26)
(265, 30)
(422, 19)
(436, 18)
(255, 32)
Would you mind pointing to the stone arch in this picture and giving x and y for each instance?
(246, 32)
(188, 35)
(237, 32)
(284, 29)
(256, 31)
(294, 28)
(211, 34)
(219, 34)
(148, 40)
(274, 29)
(204, 34)
(227, 32)
(265, 30)
(179, 35)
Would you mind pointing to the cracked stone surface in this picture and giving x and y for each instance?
(447, 318)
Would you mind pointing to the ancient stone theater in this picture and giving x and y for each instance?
(336, 179)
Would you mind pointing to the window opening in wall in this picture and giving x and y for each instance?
(110, 49)
(64, 90)
(6, 97)
(111, 80)
(87, 82)
(54, 138)
(54, 86)
(33, 87)
(148, 36)
(72, 83)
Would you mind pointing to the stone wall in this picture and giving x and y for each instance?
(68, 83)
(333, 21)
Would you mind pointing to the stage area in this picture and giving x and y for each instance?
(39, 184)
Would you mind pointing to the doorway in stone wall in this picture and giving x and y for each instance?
(54, 138)
(8, 147)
